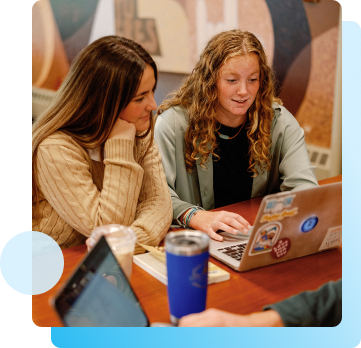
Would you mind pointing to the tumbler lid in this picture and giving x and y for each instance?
(186, 242)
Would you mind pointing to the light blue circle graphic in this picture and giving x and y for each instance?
(309, 224)
(32, 263)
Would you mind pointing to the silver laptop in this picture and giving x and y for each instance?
(288, 225)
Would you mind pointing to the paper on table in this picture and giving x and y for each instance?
(154, 263)
(156, 252)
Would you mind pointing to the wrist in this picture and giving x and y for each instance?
(268, 318)
(188, 215)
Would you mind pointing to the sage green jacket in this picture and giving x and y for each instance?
(290, 167)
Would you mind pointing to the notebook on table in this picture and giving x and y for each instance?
(288, 225)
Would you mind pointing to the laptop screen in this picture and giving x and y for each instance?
(99, 294)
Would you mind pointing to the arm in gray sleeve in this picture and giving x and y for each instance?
(322, 307)
(168, 138)
(296, 172)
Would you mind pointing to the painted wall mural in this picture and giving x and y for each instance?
(130, 25)
(300, 39)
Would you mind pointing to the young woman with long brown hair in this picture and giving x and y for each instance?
(94, 158)
(225, 137)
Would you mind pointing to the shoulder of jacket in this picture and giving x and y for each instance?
(281, 115)
(174, 112)
(175, 115)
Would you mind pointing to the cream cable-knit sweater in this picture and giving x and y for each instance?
(78, 193)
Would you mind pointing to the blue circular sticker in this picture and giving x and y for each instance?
(309, 224)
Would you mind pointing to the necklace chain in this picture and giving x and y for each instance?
(223, 136)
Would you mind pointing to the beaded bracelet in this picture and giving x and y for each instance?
(189, 214)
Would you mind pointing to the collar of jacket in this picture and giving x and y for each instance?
(205, 173)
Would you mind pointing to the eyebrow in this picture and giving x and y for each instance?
(235, 73)
(140, 94)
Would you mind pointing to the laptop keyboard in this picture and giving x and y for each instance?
(234, 251)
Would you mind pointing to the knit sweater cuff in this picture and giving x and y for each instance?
(119, 150)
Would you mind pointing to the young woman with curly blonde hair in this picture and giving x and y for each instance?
(225, 137)
(94, 158)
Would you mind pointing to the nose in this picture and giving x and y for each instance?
(152, 105)
(242, 88)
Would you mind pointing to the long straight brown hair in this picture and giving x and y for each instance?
(102, 80)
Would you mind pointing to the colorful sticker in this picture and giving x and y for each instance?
(281, 248)
(276, 205)
(265, 238)
(309, 224)
(333, 238)
(279, 216)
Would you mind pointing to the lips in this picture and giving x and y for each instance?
(240, 101)
(145, 117)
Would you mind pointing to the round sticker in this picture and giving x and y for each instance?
(309, 224)
(281, 248)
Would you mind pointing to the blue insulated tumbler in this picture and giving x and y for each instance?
(187, 269)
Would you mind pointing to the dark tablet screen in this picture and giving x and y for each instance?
(99, 294)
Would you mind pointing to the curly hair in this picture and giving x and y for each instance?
(102, 80)
(199, 96)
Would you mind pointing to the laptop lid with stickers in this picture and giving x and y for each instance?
(288, 225)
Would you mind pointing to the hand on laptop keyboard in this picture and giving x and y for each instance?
(210, 222)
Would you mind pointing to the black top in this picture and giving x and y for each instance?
(232, 182)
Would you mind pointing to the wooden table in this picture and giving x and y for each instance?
(244, 293)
